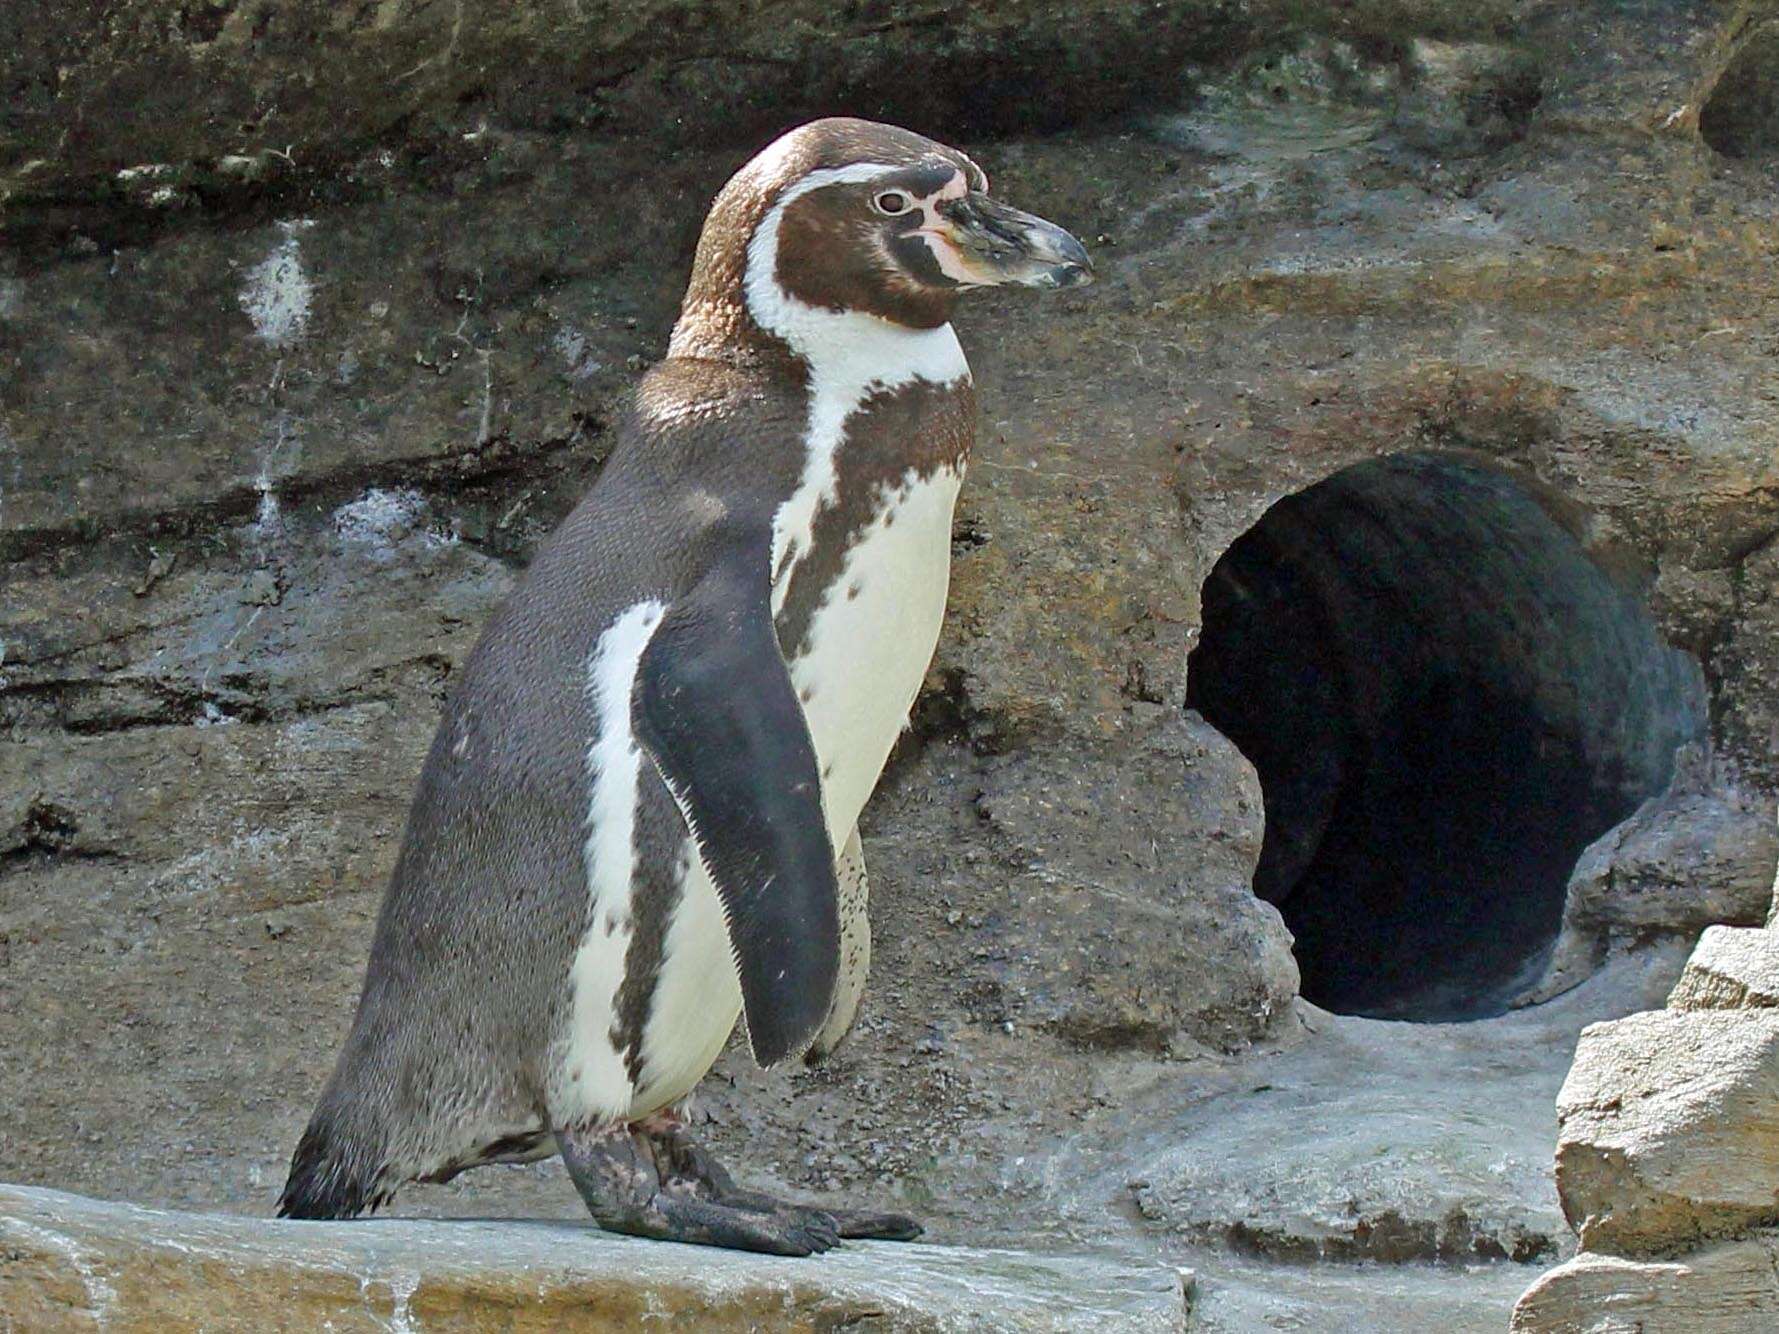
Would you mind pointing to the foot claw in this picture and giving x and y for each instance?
(825, 1235)
(861, 1224)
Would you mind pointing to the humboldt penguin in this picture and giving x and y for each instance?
(638, 819)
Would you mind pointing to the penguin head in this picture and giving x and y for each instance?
(854, 216)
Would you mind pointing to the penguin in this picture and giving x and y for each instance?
(638, 818)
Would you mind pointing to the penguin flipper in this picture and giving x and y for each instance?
(716, 711)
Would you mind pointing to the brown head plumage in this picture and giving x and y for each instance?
(852, 215)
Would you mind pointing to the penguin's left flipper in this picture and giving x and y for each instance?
(715, 708)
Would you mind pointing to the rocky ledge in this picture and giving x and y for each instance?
(69, 1262)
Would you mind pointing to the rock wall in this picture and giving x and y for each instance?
(275, 438)
(236, 101)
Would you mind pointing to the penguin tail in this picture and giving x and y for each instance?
(333, 1174)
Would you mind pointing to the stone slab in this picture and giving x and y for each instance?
(1725, 1289)
(69, 1263)
(1669, 1130)
(1732, 968)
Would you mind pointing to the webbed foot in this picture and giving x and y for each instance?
(687, 1161)
(650, 1179)
(619, 1176)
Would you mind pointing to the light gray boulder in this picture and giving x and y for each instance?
(1669, 1130)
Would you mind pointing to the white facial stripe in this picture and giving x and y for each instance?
(853, 173)
(929, 211)
(950, 263)
(855, 346)
(933, 227)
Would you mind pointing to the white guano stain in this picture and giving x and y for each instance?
(211, 716)
(278, 456)
(268, 516)
(402, 1287)
(278, 292)
(572, 346)
(383, 521)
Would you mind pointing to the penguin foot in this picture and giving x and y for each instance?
(619, 1174)
(686, 1162)
(650, 1179)
(701, 1223)
(869, 1224)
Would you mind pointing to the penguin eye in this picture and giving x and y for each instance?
(891, 202)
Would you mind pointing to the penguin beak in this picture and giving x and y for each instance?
(995, 243)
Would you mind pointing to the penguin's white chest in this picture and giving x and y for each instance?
(872, 637)
(863, 659)
(856, 669)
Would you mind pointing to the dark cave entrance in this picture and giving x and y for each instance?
(1446, 701)
(1740, 118)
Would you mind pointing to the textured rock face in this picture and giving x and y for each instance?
(1723, 1289)
(1773, 912)
(233, 98)
(1750, 665)
(1088, 966)
(1681, 863)
(1669, 1129)
(1668, 1146)
(1732, 968)
(1696, 855)
(1408, 1143)
(1465, 99)
(74, 1264)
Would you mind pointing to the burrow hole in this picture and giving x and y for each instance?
(1446, 700)
(1741, 116)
